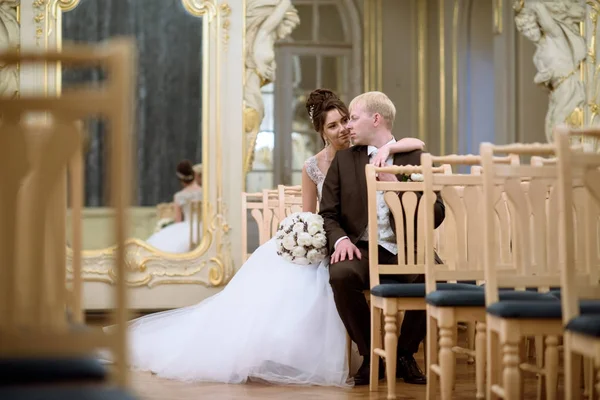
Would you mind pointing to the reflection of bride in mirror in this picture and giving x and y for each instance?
(175, 237)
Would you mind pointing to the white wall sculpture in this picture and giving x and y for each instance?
(554, 27)
(266, 22)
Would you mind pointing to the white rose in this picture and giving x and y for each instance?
(314, 227)
(304, 239)
(314, 256)
(299, 252)
(298, 227)
(288, 242)
(316, 218)
(288, 257)
(280, 247)
(416, 177)
(319, 240)
(301, 261)
(304, 216)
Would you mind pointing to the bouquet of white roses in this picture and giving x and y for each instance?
(301, 238)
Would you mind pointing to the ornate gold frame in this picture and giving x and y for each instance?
(210, 264)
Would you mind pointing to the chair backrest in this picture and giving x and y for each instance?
(256, 205)
(579, 182)
(462, 195)
(529, 189)
(290, 200)
(284, 201)
(39, 138)
(268, 209)
(402, 199)
(165, 210)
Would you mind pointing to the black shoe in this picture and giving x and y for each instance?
(408, 369)
(363, 375)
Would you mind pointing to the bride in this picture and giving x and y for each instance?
(175, 238)
(275, 321)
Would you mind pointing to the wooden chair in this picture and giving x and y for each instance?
(165, 210)
(402, 199)
(463, 195)
(39, 139)
(530, 190)
(290, 200)
(260, 206)
(268, 209)
(578, 170)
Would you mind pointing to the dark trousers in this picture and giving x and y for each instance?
(349, 279)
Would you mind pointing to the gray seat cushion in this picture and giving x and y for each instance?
(585, 324)
(65, 393)
(472, 298)
(15, 371)
(416, 289)
(536, 309)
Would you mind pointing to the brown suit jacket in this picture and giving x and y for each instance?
(344, 199)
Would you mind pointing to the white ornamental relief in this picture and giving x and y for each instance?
(9, 39)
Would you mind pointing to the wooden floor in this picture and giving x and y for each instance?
(149, 387)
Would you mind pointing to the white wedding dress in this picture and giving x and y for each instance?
(275, 321)
(175, 238)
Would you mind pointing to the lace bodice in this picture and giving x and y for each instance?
(315, 174)
(183, 199)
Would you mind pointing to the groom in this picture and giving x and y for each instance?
(344, 210)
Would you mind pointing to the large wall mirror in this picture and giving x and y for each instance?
(174, 210)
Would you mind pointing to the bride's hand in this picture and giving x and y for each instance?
(380, 159)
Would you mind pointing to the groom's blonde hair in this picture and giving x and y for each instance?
(377, 102)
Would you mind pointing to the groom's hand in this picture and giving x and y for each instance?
(345, 249)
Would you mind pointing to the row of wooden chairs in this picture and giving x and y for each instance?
(267, 209)
(511, 235)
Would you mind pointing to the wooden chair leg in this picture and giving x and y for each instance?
(431, 358)
(492, 364)
(597, 376)
(375, 344)
(551, 367)
(588, 377)
(390, 311)
(471, 340)
(447, 334)
(480, 359)
(539, 362)
(511, 374)
(572, 368)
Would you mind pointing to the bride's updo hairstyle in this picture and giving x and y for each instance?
(185, 171)
(319, 102)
